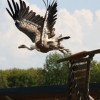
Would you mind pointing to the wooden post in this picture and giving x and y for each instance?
(79, 74)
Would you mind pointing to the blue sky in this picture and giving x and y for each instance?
(73, 5)
(79, 19)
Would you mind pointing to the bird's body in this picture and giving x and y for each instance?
(39, 29)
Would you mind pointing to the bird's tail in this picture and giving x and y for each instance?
(62, 38)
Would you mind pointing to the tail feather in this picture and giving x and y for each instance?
(62, 38)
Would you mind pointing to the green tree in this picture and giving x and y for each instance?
(95, 72)
(3, 79)
(25, 78)
(55, 73)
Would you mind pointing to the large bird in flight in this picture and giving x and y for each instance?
(39, 29)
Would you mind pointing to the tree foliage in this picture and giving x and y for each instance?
(21, 78)
(52, 73)
(3, 79)
(55, 73)
(95, 72)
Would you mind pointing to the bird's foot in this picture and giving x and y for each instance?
(65, 51)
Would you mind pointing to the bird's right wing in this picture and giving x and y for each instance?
(21, 11)
(52, 16)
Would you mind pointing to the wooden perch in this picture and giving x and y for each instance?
(80, 55)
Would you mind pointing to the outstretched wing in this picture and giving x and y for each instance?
(52, 16)
(20, 12)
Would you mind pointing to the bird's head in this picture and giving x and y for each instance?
(22, 46)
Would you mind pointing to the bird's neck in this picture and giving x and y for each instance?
(30, 48)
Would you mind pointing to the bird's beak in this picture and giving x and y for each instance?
(19, 47)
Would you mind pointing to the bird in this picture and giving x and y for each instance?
(40, 29)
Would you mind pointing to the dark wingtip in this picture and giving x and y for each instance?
(10, 7)
(9, 13)
(8, 1)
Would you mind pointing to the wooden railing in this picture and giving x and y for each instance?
(79, 74)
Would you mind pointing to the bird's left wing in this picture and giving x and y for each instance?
(52, 16)
(20, 12)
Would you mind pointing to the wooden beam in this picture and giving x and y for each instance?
(80, 55)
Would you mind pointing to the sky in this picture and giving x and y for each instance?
(79, 19)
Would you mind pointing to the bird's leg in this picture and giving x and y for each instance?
(63, 50)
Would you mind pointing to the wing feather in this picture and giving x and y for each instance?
(17, 6)
(14, 6)
(9, 13)
(52, 16)
(10, 8)
(20, 11)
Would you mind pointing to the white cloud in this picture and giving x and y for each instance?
(84, 15)
(83, 27)
(98, 14)
(67, 24)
